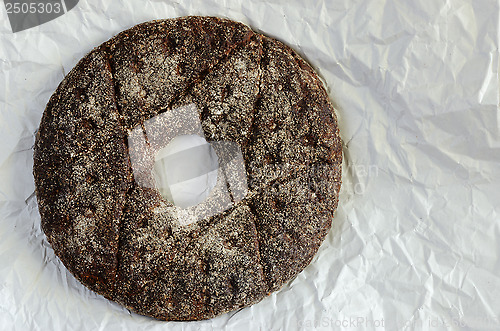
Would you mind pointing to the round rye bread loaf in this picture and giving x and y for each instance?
(119, 236)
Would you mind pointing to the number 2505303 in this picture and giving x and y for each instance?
(33, 8)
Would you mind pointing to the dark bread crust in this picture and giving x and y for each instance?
(124, 241)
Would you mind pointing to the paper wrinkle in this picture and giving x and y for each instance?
(170, 175)
(414, 242)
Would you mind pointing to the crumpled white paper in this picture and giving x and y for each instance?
(414, 244)
(202, 161)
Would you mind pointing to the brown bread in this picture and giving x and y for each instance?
(125, 241)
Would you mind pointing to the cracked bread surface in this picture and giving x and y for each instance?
(125, 241)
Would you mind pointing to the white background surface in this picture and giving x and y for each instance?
(415, 238)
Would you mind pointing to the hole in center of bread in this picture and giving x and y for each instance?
(185, 171)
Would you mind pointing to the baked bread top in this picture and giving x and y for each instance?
(123, 239)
